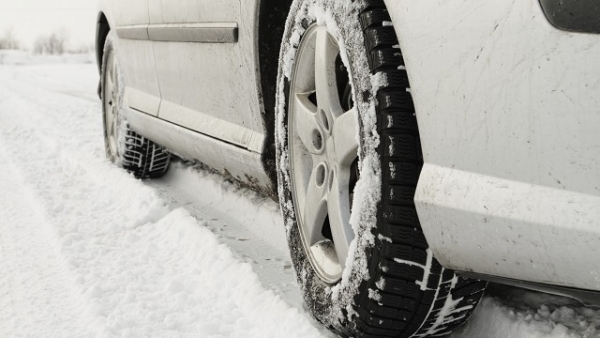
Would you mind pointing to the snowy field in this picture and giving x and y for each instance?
(86, 250)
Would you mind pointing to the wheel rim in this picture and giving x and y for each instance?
(111, 105)
(323, 151)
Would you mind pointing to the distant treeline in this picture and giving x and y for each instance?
(54, 43)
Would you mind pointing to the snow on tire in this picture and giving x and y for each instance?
(125, 147)
(385, 281)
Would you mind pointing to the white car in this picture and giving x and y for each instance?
(416, 147)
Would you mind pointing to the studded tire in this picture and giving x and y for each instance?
(395, 287)
(135, 153)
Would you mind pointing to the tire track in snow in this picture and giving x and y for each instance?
(248, 223)
(35, 288)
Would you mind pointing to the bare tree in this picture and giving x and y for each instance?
(53, 44)
(39, 46)
(9, 40)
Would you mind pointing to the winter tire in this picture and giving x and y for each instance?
(125, 147)
(349, 158)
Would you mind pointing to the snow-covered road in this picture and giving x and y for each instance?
(86, 250)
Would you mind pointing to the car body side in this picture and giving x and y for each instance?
(508, 109)
(202, 100)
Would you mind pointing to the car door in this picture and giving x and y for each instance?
(130, 20)
(206, 66)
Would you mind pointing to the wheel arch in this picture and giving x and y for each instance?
(272, 18)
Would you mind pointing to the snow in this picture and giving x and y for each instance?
(86, 250)
(108, 256)
(448, 309)
(19, 57)
(426, 269)
(511, 312)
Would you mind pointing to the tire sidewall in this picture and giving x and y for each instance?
(333, 304)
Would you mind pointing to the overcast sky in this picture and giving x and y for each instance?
(32, 18)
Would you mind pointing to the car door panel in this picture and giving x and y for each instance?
(191, 11)
(129, 19)
(207, 70)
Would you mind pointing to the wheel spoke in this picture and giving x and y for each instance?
(345, 130)
(338, 207)
(307, 126)
(113, 73)
(115, 84)
(109, 88)
(326, 52)
(315, 208)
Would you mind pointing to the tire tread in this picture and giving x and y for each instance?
(144, 158)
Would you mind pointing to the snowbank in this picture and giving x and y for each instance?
(19, 57)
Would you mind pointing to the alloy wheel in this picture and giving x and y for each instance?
(111, 105)
(323, 132)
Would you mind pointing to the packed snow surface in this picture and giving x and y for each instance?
(86, 250)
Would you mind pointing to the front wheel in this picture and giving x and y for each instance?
(349, 159)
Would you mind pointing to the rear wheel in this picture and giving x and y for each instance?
(125, 147)
(349, 158)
